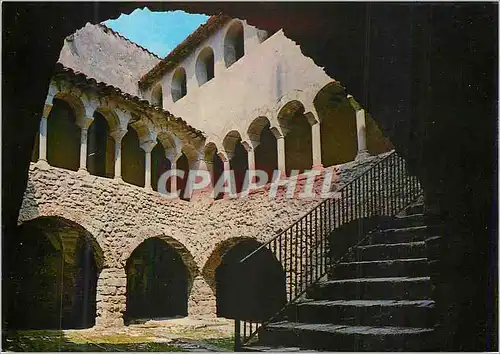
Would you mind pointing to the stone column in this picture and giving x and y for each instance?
(111, 297)
(316, 146)
(226, 160)
(202, 165)
(173, 157)
(148, 147)
(83, 143)
(360, 128)
(42, 154)
(118, 135)
(361, 133)
(201, 303)
(250, 147)
(280, 143)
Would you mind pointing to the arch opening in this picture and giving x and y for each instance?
(259, 283)
(158, 282)
(239, 164)
(179, 84)
(63, 136)
(55, 287)
(338, 129)
(182, 185)
(298, 139)
(238, 158)
(205, 66)
(159, 164)
(100, 148)
(157, 96)
(234, 44)
(133, 162)
(266, 153)
(215, 165)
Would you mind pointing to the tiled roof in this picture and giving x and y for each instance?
(180, 52)
(108, 29)
(80, 79)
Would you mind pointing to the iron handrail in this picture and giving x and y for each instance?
(317, 206)
(384, 188)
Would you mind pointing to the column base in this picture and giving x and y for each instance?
(118, 179)
(42, 164)
(363, 154)
(83, 171)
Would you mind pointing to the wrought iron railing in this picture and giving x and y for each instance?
(384, 189)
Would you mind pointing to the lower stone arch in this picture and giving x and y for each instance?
(258, 283)
(160, 273)
(55, 287)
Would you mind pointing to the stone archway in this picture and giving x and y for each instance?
(157, 282)
(298, 138)
(55, 286)
(160, 273)
(258, 283)
(63, 136)
(266, 152)
(238, 158)
(101, 146)
(133, 165)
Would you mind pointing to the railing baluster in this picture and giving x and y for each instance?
(301, 254)
(385, 210)
(296, 259)
(313, 235)
(319, 244)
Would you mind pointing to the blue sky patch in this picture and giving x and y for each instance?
(159, 32)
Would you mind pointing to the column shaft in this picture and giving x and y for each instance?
(42, 155)
(361, 134)
(280, 143)
(251, 165)
(147, 175)
(118, 159)
(83, 149)
(173, 179)
(316, 145)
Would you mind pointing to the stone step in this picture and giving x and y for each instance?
(387, 251)
(334, 337)
(395, 288)
(417, 208)
(406, 313)
(400, 235)
(408, 221)
(412, 267)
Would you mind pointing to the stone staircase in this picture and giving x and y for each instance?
(377, 298)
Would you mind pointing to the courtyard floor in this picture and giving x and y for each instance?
(182, 334)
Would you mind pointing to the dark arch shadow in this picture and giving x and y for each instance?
(158, 282)
(52, 279)
(253, 290)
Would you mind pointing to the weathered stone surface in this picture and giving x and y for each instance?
(104, 55)
(120, 216)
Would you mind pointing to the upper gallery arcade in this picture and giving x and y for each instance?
(230, 96)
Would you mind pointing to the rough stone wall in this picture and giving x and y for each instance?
(107, 57)
(121, 216)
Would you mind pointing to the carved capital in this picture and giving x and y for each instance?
(86, 122)
(46, 110)
(118, 134)
(148, 146)
(250, 145)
